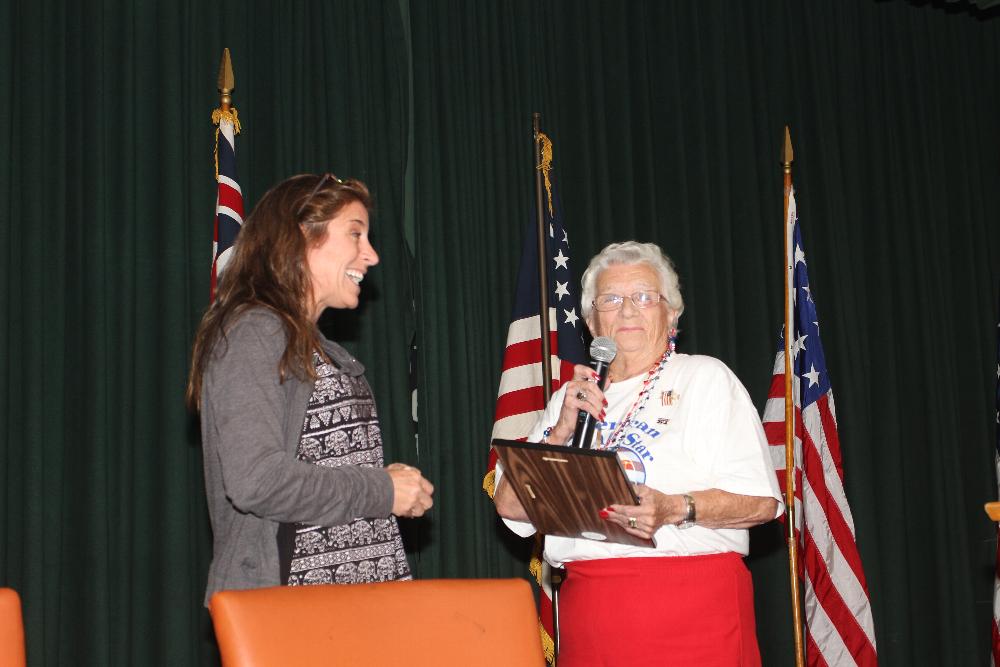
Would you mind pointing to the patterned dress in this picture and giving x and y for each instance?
(341, 428)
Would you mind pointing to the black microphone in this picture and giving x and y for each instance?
(602, 353)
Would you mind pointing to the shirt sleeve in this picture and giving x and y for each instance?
(725, 436)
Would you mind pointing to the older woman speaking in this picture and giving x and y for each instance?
(689, 437)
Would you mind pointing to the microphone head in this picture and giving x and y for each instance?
(603, 349)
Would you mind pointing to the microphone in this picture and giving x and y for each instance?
(602, 353)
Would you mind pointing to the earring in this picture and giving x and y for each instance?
(672, 339)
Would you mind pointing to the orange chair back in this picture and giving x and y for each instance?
(11, 629)
(414, 623)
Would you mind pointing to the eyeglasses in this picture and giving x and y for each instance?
(326, 177)
(606, 302)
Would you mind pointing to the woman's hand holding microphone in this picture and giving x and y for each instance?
(582, 393)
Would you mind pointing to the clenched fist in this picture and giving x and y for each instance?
(411, 493)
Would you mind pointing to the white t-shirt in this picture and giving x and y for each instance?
(698, 430)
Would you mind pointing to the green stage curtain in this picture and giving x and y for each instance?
(107, 193)
(667, 120)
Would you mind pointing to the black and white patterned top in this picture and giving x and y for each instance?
(341, 428)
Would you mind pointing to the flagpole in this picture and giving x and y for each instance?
(555, 574)
(543, 276)
(793, 550)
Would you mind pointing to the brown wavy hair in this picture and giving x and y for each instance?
(268, 269)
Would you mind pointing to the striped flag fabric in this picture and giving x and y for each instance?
(229, 196)
(839, 625)
(995, 652)
(521, 399)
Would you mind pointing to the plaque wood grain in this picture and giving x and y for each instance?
(563, 489)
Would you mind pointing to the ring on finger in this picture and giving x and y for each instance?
(632, 523)
(581, 395)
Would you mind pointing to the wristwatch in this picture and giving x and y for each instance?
(690, 518)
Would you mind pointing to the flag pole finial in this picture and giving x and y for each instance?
(227, 82)
(787, 156)
(226, 110)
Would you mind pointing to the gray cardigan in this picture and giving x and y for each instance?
(250, 427)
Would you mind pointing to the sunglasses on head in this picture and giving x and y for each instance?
(326, 177)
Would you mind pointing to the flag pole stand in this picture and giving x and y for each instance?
(793, 552)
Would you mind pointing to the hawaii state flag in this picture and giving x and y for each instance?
(839, 626)
(229, 197)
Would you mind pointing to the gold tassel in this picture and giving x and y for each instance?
(229, 114)
(535, 565)
(218, 116)
(546, 166)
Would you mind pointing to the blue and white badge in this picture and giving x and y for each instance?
(632, 463)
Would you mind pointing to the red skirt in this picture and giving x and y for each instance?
(678, 610)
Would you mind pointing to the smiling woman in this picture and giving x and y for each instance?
(297, 488)
(338, 263)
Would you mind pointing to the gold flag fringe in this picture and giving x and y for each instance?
(548, 646)
(218, 116)
(535, 568)
(489, 483)
(546, 166)
(535, 565)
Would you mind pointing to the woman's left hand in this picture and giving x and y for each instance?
(411, 492)
(655, 509)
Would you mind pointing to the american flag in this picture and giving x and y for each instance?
(995, 653)
(839, 625)
(521, 400)
(229, 197)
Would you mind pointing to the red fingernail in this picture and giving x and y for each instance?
(605, 402)
(604, 514)
(601, 416)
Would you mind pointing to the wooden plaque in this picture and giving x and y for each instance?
(563, 489)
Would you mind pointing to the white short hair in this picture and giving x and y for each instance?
(632, 252)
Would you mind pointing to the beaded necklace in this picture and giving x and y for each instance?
(640, 401)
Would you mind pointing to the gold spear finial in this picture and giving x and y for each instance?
(226, 110)
(227, 83)
(786, 151)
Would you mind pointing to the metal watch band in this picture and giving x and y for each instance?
(691, 517)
